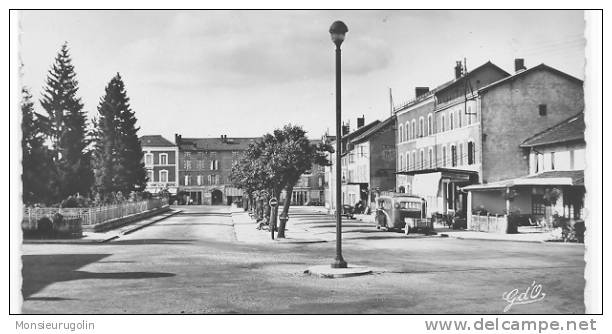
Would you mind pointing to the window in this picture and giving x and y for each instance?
(163, 159)
(461, 154)
(401, 162)
(538, 206)
(187, 164)
(407, 132)
(459, 118)
(542, 109)
(552, 160)
(414, 133)
(414, 159)
(163, 176)
(199, 180)
(361, 151)
(148, 159)
(442, 123)
(469, 115)
(453, 156)
(186, 180)
(471, 153)
(421, 127)
(429, 125)
(150, 175)
(422, 159)
(430, 158)
(214, 164)
(187, 155)
(351, 157)
(451, 117)
(444, 156)
(400, 134)
(408, 166)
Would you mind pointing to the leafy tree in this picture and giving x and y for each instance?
(277, 162)
(36, 158)
(66, 128)
(117, 152)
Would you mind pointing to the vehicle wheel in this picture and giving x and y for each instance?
(378, 227)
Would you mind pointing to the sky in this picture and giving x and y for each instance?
(245, 73)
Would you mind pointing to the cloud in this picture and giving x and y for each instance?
(220, 49)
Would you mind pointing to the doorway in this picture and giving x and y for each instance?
(216, 197)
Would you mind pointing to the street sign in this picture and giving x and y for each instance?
(273, 202)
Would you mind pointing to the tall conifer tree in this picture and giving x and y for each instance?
(118, 154)
(36, 158)
(67, 128)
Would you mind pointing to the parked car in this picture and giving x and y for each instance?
(403, 211)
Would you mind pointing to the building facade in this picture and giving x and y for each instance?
(367, 163)
(161, 162)
(554, 184)
(204, 167)
(479, 120)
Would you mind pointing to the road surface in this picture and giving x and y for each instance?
(193, 263)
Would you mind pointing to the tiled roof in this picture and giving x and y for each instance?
(447, 84)
(360, 130)
(365, 135)
(577, 176)
(569, 130)
(529, 70)
(155, 140)
(216, 144)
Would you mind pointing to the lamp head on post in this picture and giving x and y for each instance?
(338, 31)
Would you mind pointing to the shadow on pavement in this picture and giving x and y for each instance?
(40, 271)
(152, 242)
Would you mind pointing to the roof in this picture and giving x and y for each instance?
(552, 178)
(569, 130)
(449, 84)
(216, 144)
(529, 70)
(374, 129)
(155, 140)
(360, 130)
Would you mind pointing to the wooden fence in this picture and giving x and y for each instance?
(493, 224)
(93, 215)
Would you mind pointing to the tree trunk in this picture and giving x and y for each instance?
(281, 227)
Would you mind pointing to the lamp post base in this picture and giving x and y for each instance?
(339, 263)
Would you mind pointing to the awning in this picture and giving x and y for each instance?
(426, 185)
(555, 178)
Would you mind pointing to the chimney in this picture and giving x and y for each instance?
(420, 91)
(360, 121)
(458, 70)
(345, 129)
(177, 139)
(519, 65)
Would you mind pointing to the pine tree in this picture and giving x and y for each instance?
(36, 159)
(66, 128)
(118, 155)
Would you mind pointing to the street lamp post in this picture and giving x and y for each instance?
(338, 30)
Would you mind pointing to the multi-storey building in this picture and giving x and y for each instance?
(556, 161)
(204, 169)
(161, 162)
(469, 130)
(367, 163)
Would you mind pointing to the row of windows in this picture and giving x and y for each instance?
(455, 120)
(453, 156)
(199, 164)
(212, 179)
(163, 176)
(203, 154)
(163, 159)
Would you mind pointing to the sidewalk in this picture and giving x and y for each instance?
(246, 231)
(100, 237)
(540, 237)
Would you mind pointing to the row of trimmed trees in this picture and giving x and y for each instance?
(64, 154)
(275, 163)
